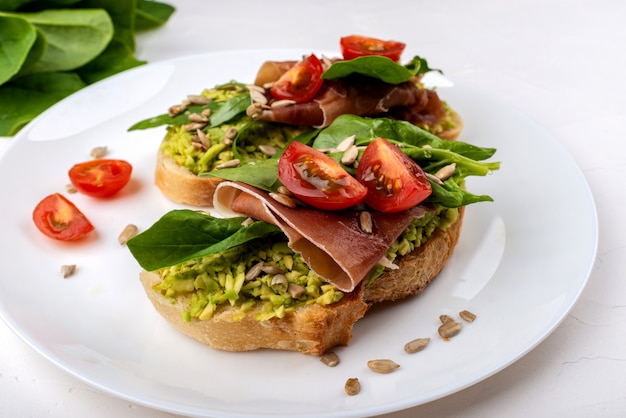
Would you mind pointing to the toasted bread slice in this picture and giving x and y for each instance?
(181, 185)
(311, 329)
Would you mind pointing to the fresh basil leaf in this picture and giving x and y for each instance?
(17, 37)
(419, 66)
(36, 92)
(262, 174)
(229, 109)
(183, 234)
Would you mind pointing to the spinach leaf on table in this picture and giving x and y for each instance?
(79, 41)
(17, 37)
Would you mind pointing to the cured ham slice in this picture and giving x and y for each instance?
(332, 243)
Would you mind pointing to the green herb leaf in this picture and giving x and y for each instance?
(381, 68)
(151, 14)
(36, 92)
(17, 37)
(74, 37)
(262, 174)
(221, 112)
(182, 235)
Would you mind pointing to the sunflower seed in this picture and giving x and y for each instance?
(350, 155)
(258, 97)
(230, 133)
(228, 164)
(204, 140)
(295, 290)
(254, 87)
(331, 359)
(197, 99)
(127, 233)
(365, 221)
(284, 190)
(416, 345)
(352, 386)
(445, 318)
(346, 143)
(269, 269)
(176, 110)
(70, 188)
(196, 117)
(254, 271)
(282, 103)
(382, 365)
(279, 283)
(267, 149)
(206, 112)
(193, 126)
(255, 110)
(434, 179)
(98, 152)
(68, 270)
(445, 172)
(449, 329)
(283, 200)
(467, 316)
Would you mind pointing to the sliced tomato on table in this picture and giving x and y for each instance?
(101, 177)
(58, 218)
(317, 179)
(301, 82)
(356, 46)
(394, 181)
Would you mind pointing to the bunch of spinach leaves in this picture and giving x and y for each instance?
(49, 49)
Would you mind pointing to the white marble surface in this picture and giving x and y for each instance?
(559, 62)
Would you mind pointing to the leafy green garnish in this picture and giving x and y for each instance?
(381, 68)
(64, 39)
(184, 234)
(221, 112)
(428, 150)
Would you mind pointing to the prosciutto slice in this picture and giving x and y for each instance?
(332, 243)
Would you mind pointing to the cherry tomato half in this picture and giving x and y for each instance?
(355, 46)
(58, 218)
(393, 180)
(301, 82)
(101, 177)
(317, 179)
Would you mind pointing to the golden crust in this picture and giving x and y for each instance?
(180, 185)
(312, 329)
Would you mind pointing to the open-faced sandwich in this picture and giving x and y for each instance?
(360, 210)
(236, 123)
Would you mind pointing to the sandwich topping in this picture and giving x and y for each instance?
(377, 199)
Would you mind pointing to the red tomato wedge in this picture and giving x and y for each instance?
(58, 218)
(317, 179)
(101, 177)
(355, 46)
(301, 82)
(394, 181)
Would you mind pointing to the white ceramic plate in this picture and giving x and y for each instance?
(520, 265)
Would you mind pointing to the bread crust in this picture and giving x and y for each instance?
(311, 329)
(181, 185)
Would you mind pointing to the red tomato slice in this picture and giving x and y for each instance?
(301, 82)
(355, 46)
(100, 178)
(393, 180)
(317, 179)
(58, 218)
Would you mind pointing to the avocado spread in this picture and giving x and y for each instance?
(248, 137)
(269, 272)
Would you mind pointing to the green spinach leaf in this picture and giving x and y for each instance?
(74, 37)
(151, 14)
(36, 92)
(381, 68)
(182, 235)
(17, 36)
(262, 174)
